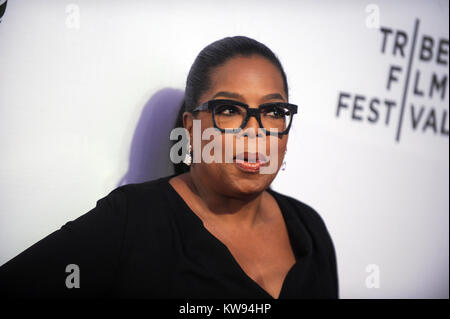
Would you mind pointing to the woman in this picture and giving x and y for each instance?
(213, 229)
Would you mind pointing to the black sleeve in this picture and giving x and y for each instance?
(328, 250)
(88, 248)
(334, 268)
(325, 246)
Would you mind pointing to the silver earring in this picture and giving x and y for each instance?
(283, 166)
(188, 157)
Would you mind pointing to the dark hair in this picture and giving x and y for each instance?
(212, 56)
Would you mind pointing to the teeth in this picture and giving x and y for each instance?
(242, 158)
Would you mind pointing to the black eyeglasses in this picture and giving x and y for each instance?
(229, 116)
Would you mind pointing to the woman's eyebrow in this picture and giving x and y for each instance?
(233, 95)
(228, 95)
(273, 96)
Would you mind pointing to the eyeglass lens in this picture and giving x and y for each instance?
(231, 116)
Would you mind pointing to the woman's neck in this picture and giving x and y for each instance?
(236, 212)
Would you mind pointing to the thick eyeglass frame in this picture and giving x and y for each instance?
(256, 112)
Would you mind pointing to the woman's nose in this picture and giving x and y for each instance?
(252, 127)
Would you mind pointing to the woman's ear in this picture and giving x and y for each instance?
(188, 122)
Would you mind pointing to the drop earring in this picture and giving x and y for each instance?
(188, 157)
(283, 165)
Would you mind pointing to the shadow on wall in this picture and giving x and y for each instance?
(149, 153)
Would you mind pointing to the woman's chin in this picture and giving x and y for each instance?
(246, 185)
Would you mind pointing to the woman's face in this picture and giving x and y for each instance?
(250, 79)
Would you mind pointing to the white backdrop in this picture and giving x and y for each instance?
(89, 90)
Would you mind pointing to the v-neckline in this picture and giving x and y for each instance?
(227, 250)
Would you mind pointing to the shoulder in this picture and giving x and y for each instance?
(138, 201)
(143, 191)
(308, 217)
(321, 240)
(302, 210)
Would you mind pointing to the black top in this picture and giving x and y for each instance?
(143, 241)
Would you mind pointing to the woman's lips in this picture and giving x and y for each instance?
(249, 167)
(256, 161)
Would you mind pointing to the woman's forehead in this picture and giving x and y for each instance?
(247, 78)
(251, 69)
(242, 97)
